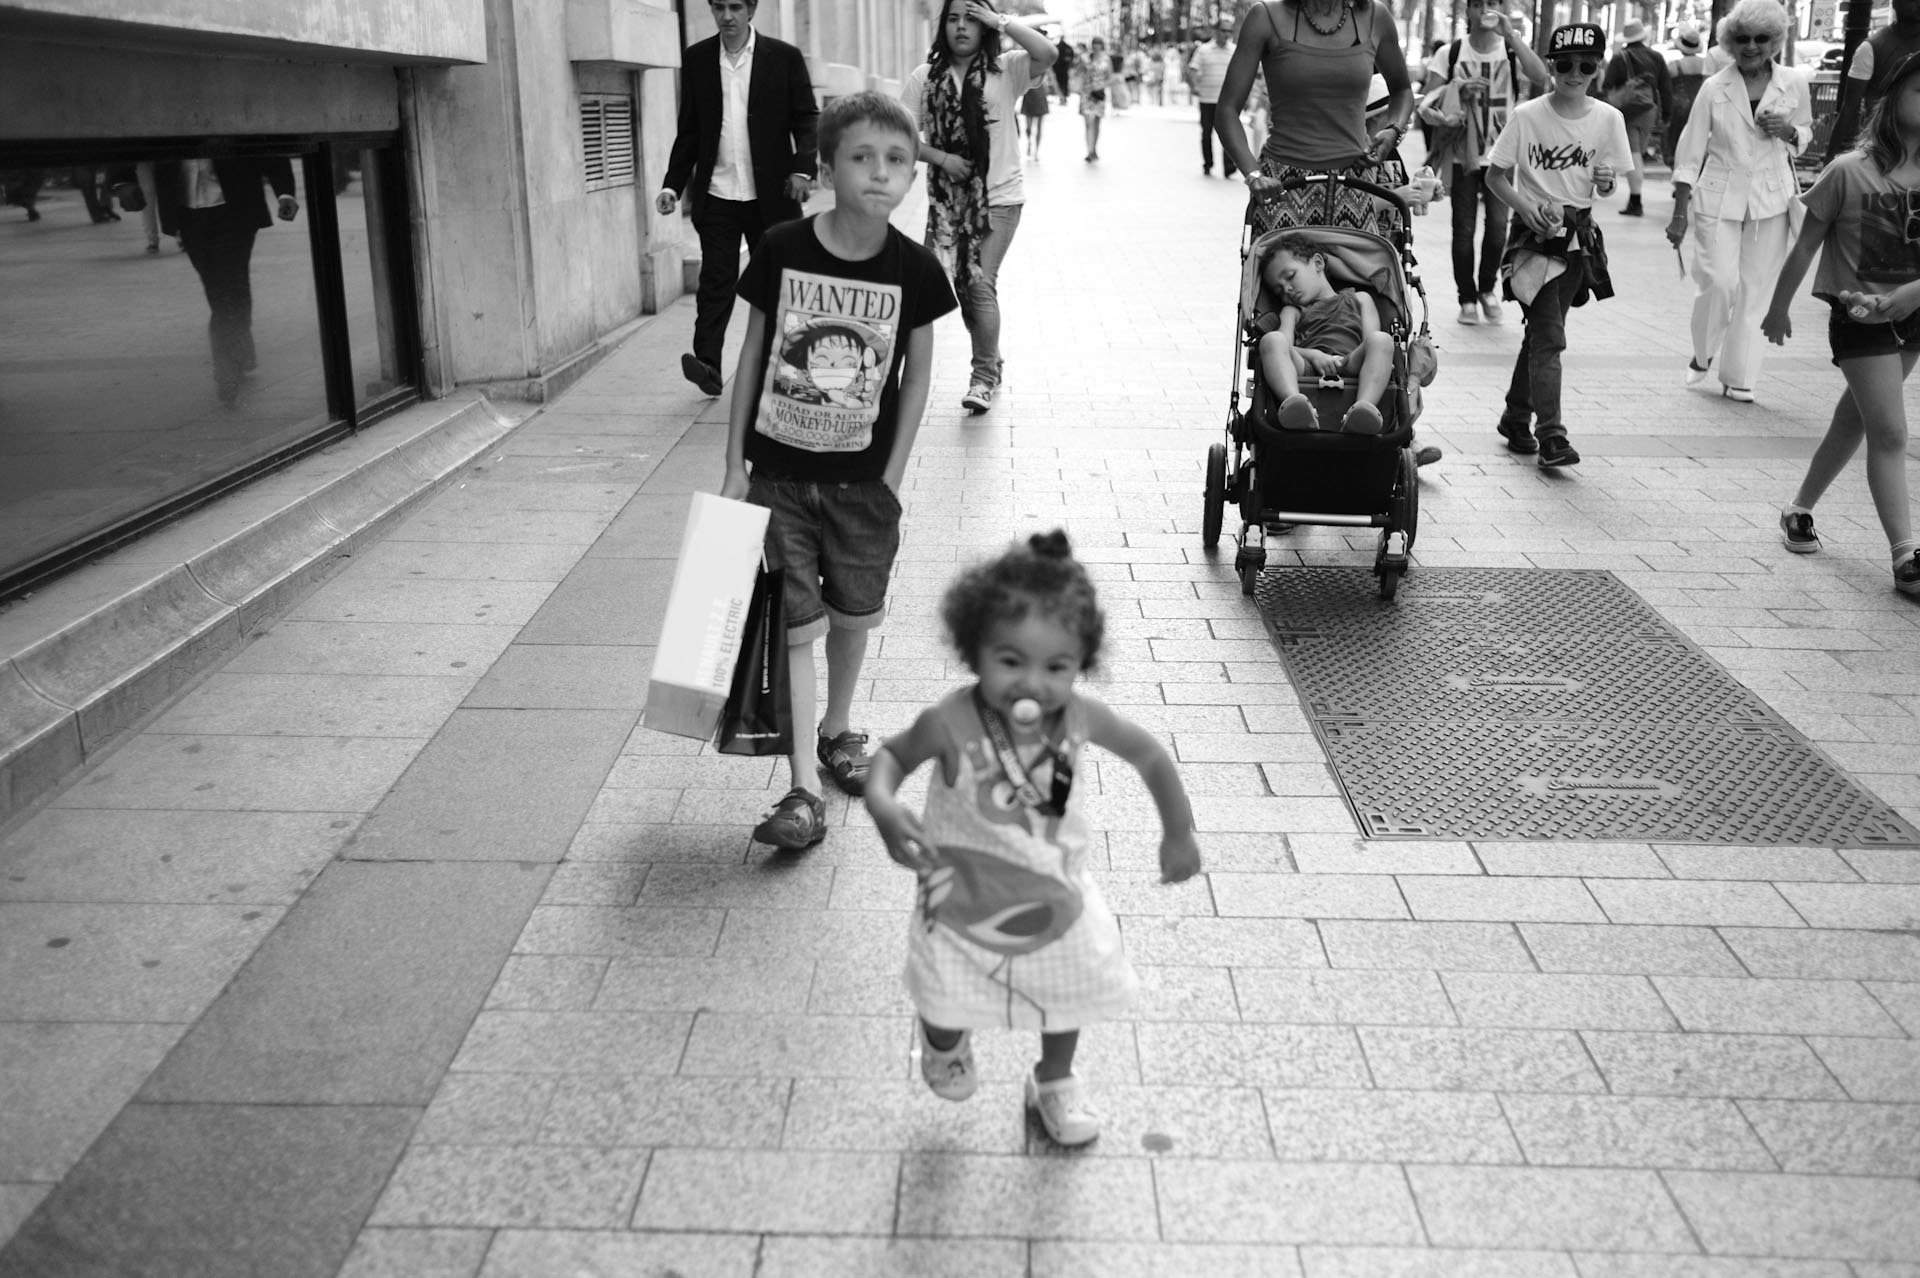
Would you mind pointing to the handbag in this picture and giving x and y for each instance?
(1633, 97)
(758, 716)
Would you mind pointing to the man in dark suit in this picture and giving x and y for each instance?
(216, 207)
(744, 157)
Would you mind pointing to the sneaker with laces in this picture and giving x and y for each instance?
(1063, 1109)
(978, 399)
(1490, 310)
(845, 759)
(1906, 576)
(950, 1074)
(1556, 451)
(797, 822)
(1469, 313)
(1796, 532)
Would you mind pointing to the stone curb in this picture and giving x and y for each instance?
(71, 692)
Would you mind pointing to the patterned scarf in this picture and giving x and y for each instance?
(957, 216)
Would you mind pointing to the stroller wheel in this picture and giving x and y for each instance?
(1248, 563)
(1216, 496)
(1390, 582)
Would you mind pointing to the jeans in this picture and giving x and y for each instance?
(1470, 190)
(1207, 113)
(219, 243)
(1535, 388)
(980, 300)
(722, 224)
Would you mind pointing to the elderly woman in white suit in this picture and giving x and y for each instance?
(1733, 181)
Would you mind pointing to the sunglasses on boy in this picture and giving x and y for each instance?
(1566, 66)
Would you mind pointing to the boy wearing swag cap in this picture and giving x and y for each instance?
(1555, 155)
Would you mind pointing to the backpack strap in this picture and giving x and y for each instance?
(1513, 68)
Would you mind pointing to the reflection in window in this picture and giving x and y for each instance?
(379, 363)
(160, 332)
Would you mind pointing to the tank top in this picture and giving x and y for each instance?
(1321, 93)
(1332, 324)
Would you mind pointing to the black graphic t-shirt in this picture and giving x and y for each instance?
(836, 343)
(1868, 249)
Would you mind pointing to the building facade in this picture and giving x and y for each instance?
(470, 188)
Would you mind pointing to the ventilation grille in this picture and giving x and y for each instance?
(606, 139)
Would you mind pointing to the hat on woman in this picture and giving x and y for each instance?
(1634, 32)
(1687, 38)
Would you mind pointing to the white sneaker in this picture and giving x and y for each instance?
(978, 399)
(1063, 1109)
(950, 1074)
(1469, 313)
(1490, 308)
(1696, 376)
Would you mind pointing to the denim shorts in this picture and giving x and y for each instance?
(835, 544)
(1850, 339)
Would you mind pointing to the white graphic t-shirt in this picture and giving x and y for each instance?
(836, 336)
(1553, 158)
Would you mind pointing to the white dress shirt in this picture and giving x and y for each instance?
(733, 163)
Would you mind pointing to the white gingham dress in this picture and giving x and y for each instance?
(1010, 931)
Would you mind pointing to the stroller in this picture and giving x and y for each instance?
(1279, 478)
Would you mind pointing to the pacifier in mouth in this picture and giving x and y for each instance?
(1025, 712)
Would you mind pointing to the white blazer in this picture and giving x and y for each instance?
(1735, 170)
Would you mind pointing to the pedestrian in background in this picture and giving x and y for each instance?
(1733, 180)
(1010, 929)
(1472, 86)
(1096, 82)
(1154, 73)
(1033, 116)
(743, 157)
(966, 98)
(1063, 67)
(1205, 76)
(1862, 220)
(1686, 73)
(1638, 87)
(1867, 73)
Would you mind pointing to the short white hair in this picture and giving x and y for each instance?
(1753, 17)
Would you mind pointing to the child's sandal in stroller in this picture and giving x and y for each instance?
(1297, 413)
(1363, 419)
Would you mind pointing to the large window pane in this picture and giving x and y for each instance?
(147, 351)
(379, 359)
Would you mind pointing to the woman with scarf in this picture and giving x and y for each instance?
(1319, 58)
(966, 98)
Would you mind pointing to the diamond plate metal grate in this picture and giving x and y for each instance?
(1536, 704)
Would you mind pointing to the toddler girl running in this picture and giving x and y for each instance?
(1010, 929)
(1861, 219)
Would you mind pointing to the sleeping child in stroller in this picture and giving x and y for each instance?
(1320, 332)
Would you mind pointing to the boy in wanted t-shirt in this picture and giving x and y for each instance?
(1554, 156)
(830, 391)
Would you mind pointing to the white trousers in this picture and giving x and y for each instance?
(1735, 265)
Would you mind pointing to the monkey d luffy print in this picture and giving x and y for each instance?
(833, 344)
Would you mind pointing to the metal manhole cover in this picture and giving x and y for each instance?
(1539, 704)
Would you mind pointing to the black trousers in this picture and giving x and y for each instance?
(219, 243)
(1207, 110)
(722, 226)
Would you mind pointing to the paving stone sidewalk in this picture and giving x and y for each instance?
(397, 947)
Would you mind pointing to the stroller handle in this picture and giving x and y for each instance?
(1378, 192)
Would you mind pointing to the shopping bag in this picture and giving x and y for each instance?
(758, 717)
(706, 617)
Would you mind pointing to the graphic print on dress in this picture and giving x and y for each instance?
(1002, 907)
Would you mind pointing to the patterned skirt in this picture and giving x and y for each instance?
(1308, 206)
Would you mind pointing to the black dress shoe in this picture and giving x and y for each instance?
(702, 374)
